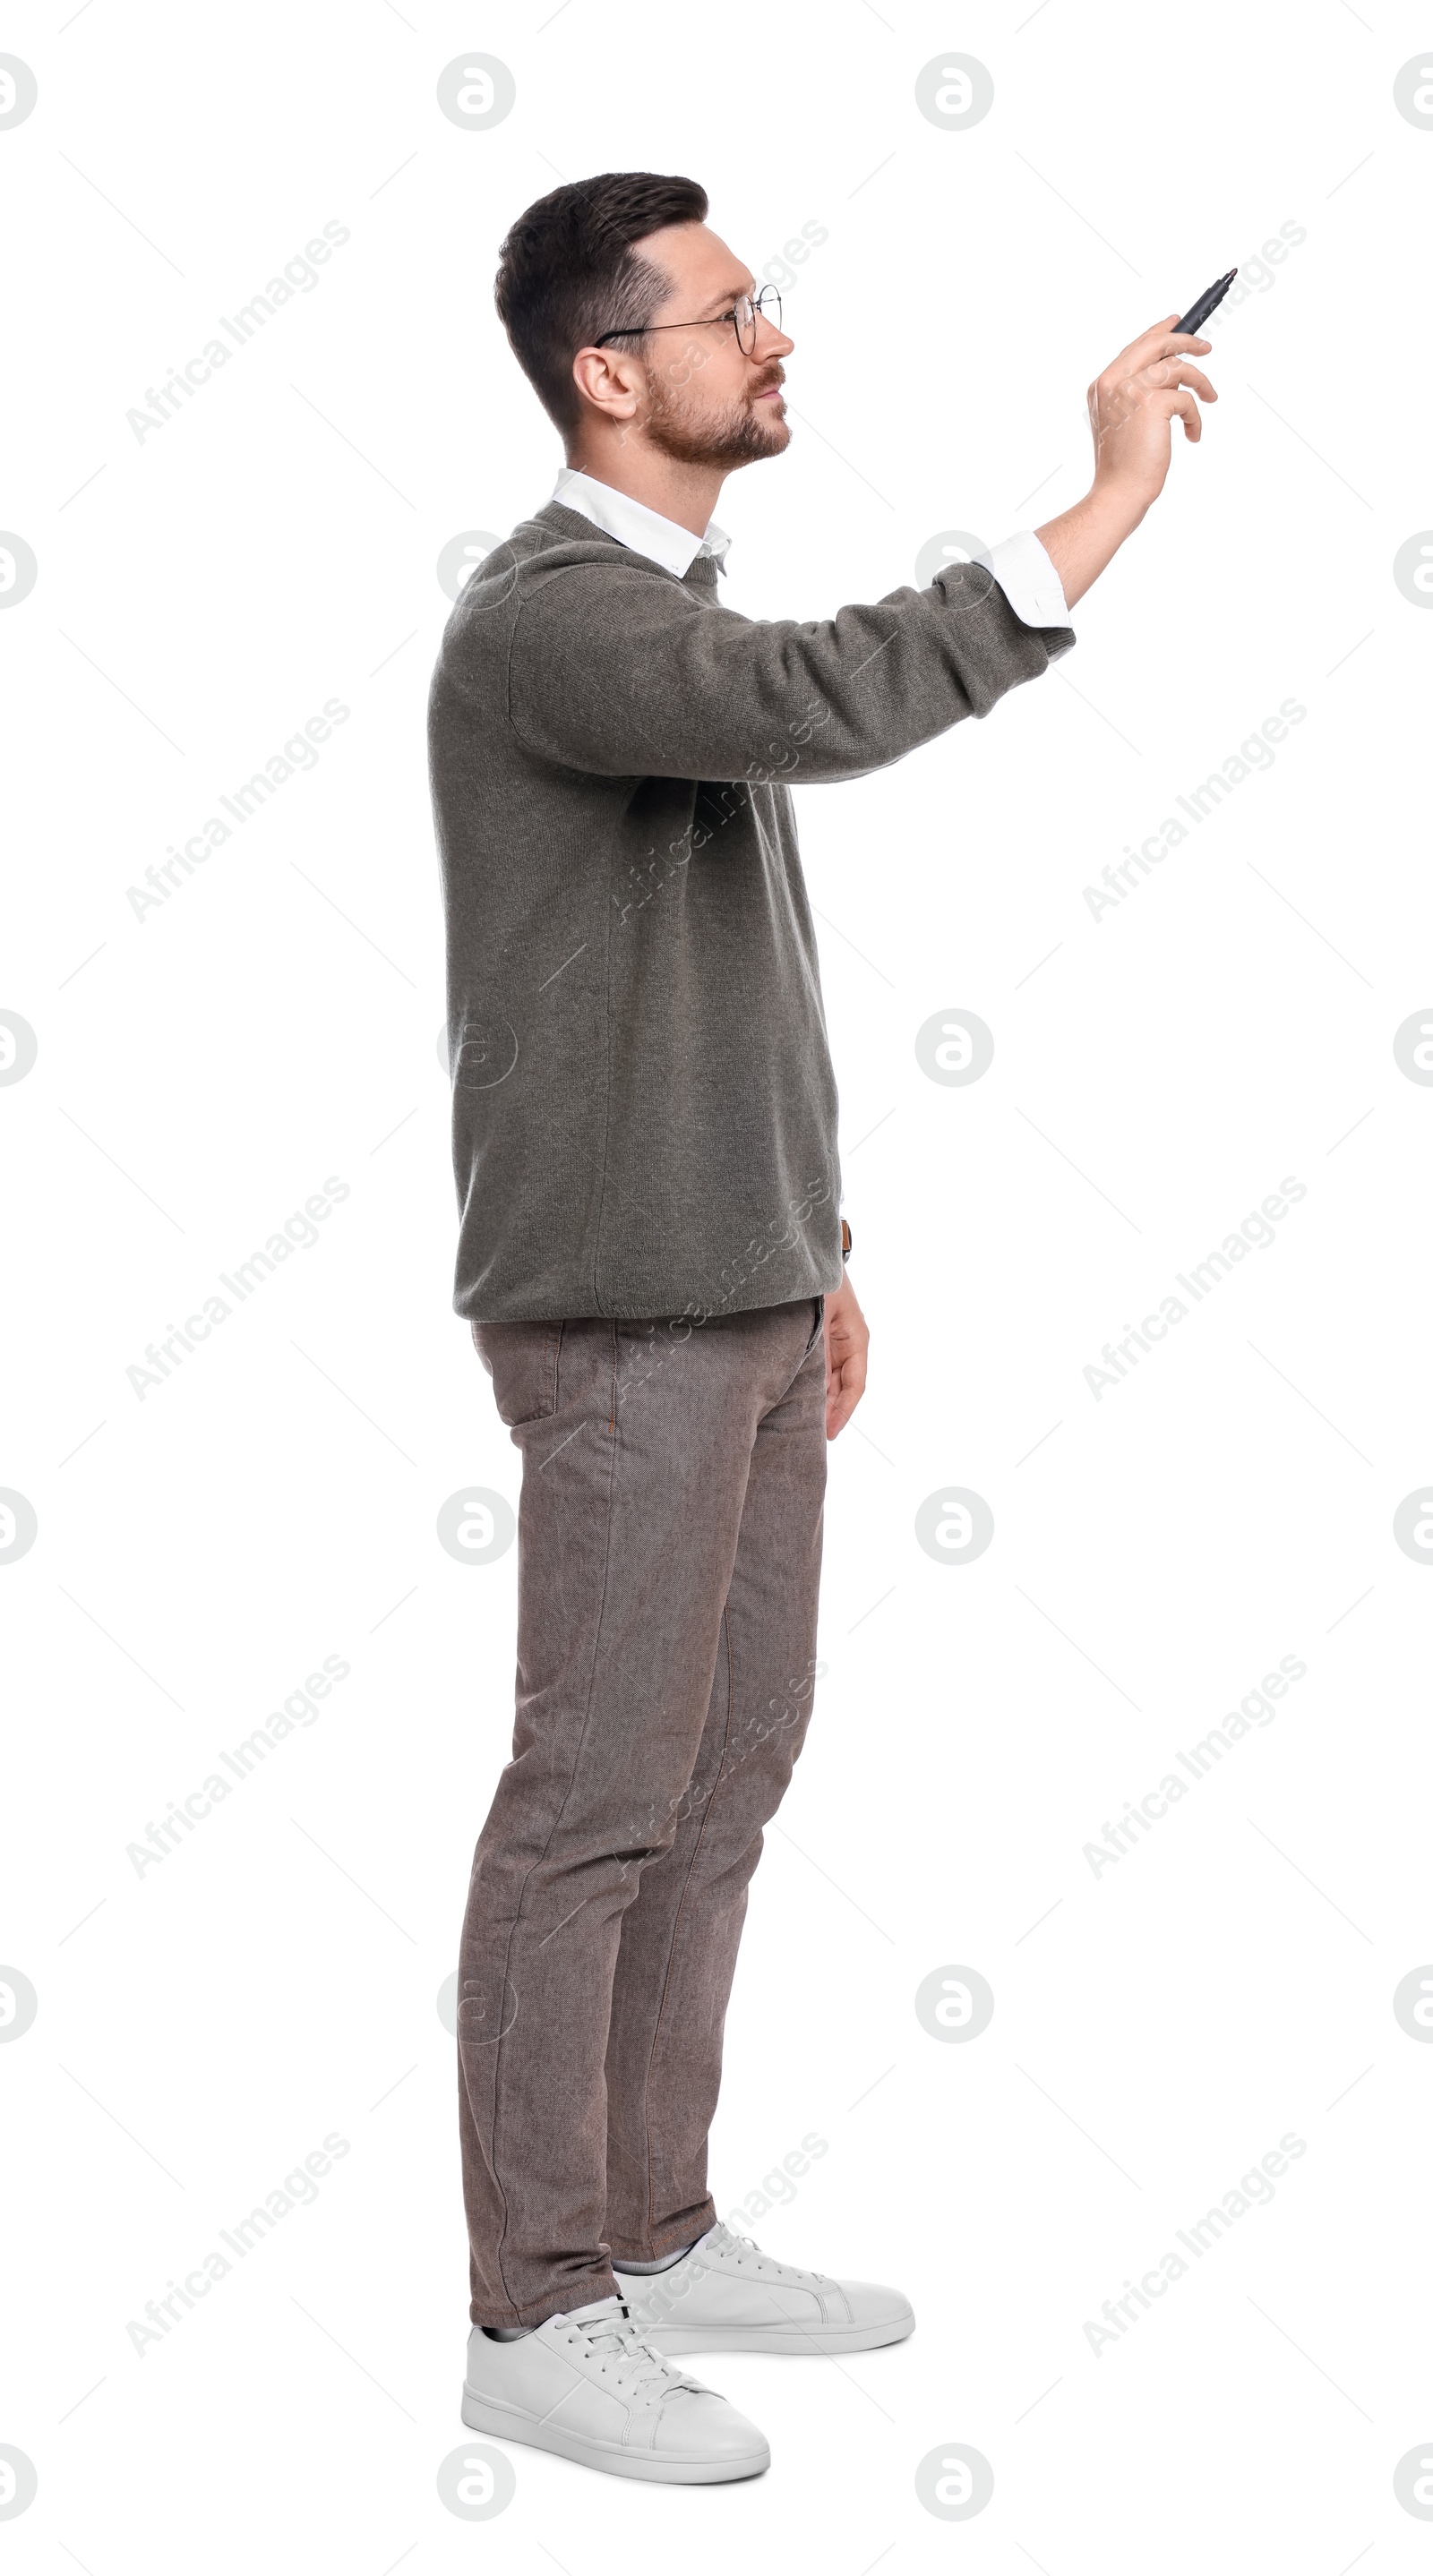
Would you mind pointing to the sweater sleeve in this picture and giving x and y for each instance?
(626, 672)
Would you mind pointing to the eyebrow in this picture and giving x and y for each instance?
(728, 295)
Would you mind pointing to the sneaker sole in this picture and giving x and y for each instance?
(674, 2339)
(692, 2469)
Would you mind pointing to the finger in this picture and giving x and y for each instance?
(1162, 340)
(1110, 394)
(1175, 371)
(841, 1406)
(1184, 407)
(1148, 353)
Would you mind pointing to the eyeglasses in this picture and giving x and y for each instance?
(744, 316)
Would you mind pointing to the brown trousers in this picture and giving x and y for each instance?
(669, 1551)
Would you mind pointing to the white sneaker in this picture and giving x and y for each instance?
(587, 2385)
(727, 2296)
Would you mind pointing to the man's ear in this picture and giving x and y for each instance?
(611, 380)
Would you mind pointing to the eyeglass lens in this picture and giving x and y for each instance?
(767, 304)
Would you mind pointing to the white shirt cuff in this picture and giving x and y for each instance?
(1029, 580)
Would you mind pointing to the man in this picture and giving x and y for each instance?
(651, 1260)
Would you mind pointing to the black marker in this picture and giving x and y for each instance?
(1199, 312)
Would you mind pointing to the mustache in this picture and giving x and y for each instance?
(773, 376)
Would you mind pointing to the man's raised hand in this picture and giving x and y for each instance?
(1132, 406)
(1134, 402)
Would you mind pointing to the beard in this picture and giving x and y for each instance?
(735, 433)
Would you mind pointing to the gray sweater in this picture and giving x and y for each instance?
(644, 1111)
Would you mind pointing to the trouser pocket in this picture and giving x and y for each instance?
(523, 1361)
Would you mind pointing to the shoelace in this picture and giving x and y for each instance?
(769, 2263)
(633, 2363)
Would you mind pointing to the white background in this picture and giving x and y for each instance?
(202, 1069)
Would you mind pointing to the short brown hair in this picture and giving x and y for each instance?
(567, 272)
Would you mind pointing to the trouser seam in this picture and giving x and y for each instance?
(557, 1820)
(677, 1918)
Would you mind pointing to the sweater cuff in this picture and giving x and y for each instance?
(1029, 580)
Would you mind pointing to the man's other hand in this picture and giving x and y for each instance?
(848, 1338)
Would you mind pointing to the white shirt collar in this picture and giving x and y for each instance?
(633, 524)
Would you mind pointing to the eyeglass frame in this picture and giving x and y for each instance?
(759, 313)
